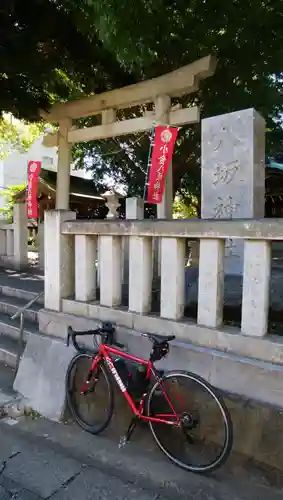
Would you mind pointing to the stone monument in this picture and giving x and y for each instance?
(233, 174)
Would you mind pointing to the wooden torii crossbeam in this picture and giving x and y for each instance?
(182, 81)
(158, 91)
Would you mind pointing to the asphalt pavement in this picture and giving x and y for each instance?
(40, 459)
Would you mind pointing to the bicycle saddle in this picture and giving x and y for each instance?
(159, 339)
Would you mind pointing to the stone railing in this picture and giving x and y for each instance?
(13, 239)
(212, 234)
(67, 278)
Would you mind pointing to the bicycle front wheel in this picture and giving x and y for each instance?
(93, 409)
(201, 440)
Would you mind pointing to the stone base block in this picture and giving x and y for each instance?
(41, 375)
(256, 380)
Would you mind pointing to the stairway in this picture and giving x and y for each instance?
(11, 300)
(17, 289)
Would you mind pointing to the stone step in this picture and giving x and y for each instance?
(21, 294)
(10, 305)
(5, 399)
(7, 375)
(8, 351)
(11, 328)
(12, 404)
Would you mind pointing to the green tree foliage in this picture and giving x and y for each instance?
(9, 194)
(50, 50)
(17, 135)
(185, 208)
(59, 49)
(158, 36)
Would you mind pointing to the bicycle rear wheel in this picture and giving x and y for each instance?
(93, 409)
(202, 439)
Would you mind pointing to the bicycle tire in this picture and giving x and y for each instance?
(93, 429)
(221, 459)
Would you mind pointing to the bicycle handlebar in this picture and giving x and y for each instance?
(106, 331)
(72, 335)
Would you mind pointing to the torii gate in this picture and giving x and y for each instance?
(158, 91)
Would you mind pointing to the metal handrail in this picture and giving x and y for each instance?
(22, 309)
(20, 313)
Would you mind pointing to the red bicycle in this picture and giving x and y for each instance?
(154, 396)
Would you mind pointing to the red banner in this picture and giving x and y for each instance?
(162, 152)
(33, 173)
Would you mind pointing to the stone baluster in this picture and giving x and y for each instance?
(10, 242)
(256, 280)
(112, 203)
(85, 267)
(110, 271)
(4, 242)
(40, 240)
(140, 262)
(98, 261)
(134, 211)
(58, 259)
(211, 282)
(20, 235)
(172, 295)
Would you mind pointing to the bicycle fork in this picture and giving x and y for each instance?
(92, 377)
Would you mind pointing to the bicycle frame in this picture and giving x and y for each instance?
(104, 353)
